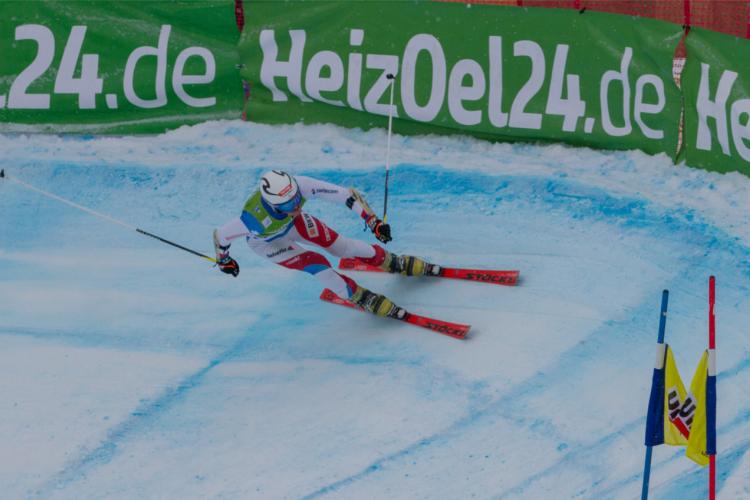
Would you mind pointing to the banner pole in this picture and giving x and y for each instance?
(711, 391)
(654, 418)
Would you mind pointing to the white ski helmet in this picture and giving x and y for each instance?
(280, 190)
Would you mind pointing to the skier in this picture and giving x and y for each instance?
(273, 223)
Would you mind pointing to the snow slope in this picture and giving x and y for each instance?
(131, 369)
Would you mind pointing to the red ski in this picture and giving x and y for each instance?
(455, 330)
(495, 277)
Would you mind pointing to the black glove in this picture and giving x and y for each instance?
(381, 230)
(228, 265)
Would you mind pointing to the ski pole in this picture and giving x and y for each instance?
(392, 78)
(103, 216)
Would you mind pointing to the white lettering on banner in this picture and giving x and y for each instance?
(519, 118)
(88, 85)
(715, 109)
(18, 97)
(160, 52)
(291, 70)
(572, 107)
(315, 82)
(457, 93)
(354, 74)
(417, 44)
(609, 77)
(388, 64)
(646, 108)
(179, 79)
(494, 111)
(741, 131)
(467, 81)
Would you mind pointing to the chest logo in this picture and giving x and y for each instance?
(312, 228)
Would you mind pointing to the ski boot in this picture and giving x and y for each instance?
(409, 265)
(377, 304)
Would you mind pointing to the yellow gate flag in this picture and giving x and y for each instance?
(685, 413)
(696, 448)
(676, 425)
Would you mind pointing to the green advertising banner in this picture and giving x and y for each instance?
(493, 71)
(716, 86)
(135, 66)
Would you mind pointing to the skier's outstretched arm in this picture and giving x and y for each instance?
(353, 199)
(223, 237)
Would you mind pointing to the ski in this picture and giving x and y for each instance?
(496, 277)
(455, 330)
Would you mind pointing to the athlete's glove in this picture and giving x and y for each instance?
(228, 265)
(381, 230)
(223, 260)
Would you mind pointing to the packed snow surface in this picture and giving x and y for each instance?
(131, 369)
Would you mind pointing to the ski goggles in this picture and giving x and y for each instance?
(291, 205)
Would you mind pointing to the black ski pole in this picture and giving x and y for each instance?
(392, 78)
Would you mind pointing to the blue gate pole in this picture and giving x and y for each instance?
(656, 400)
